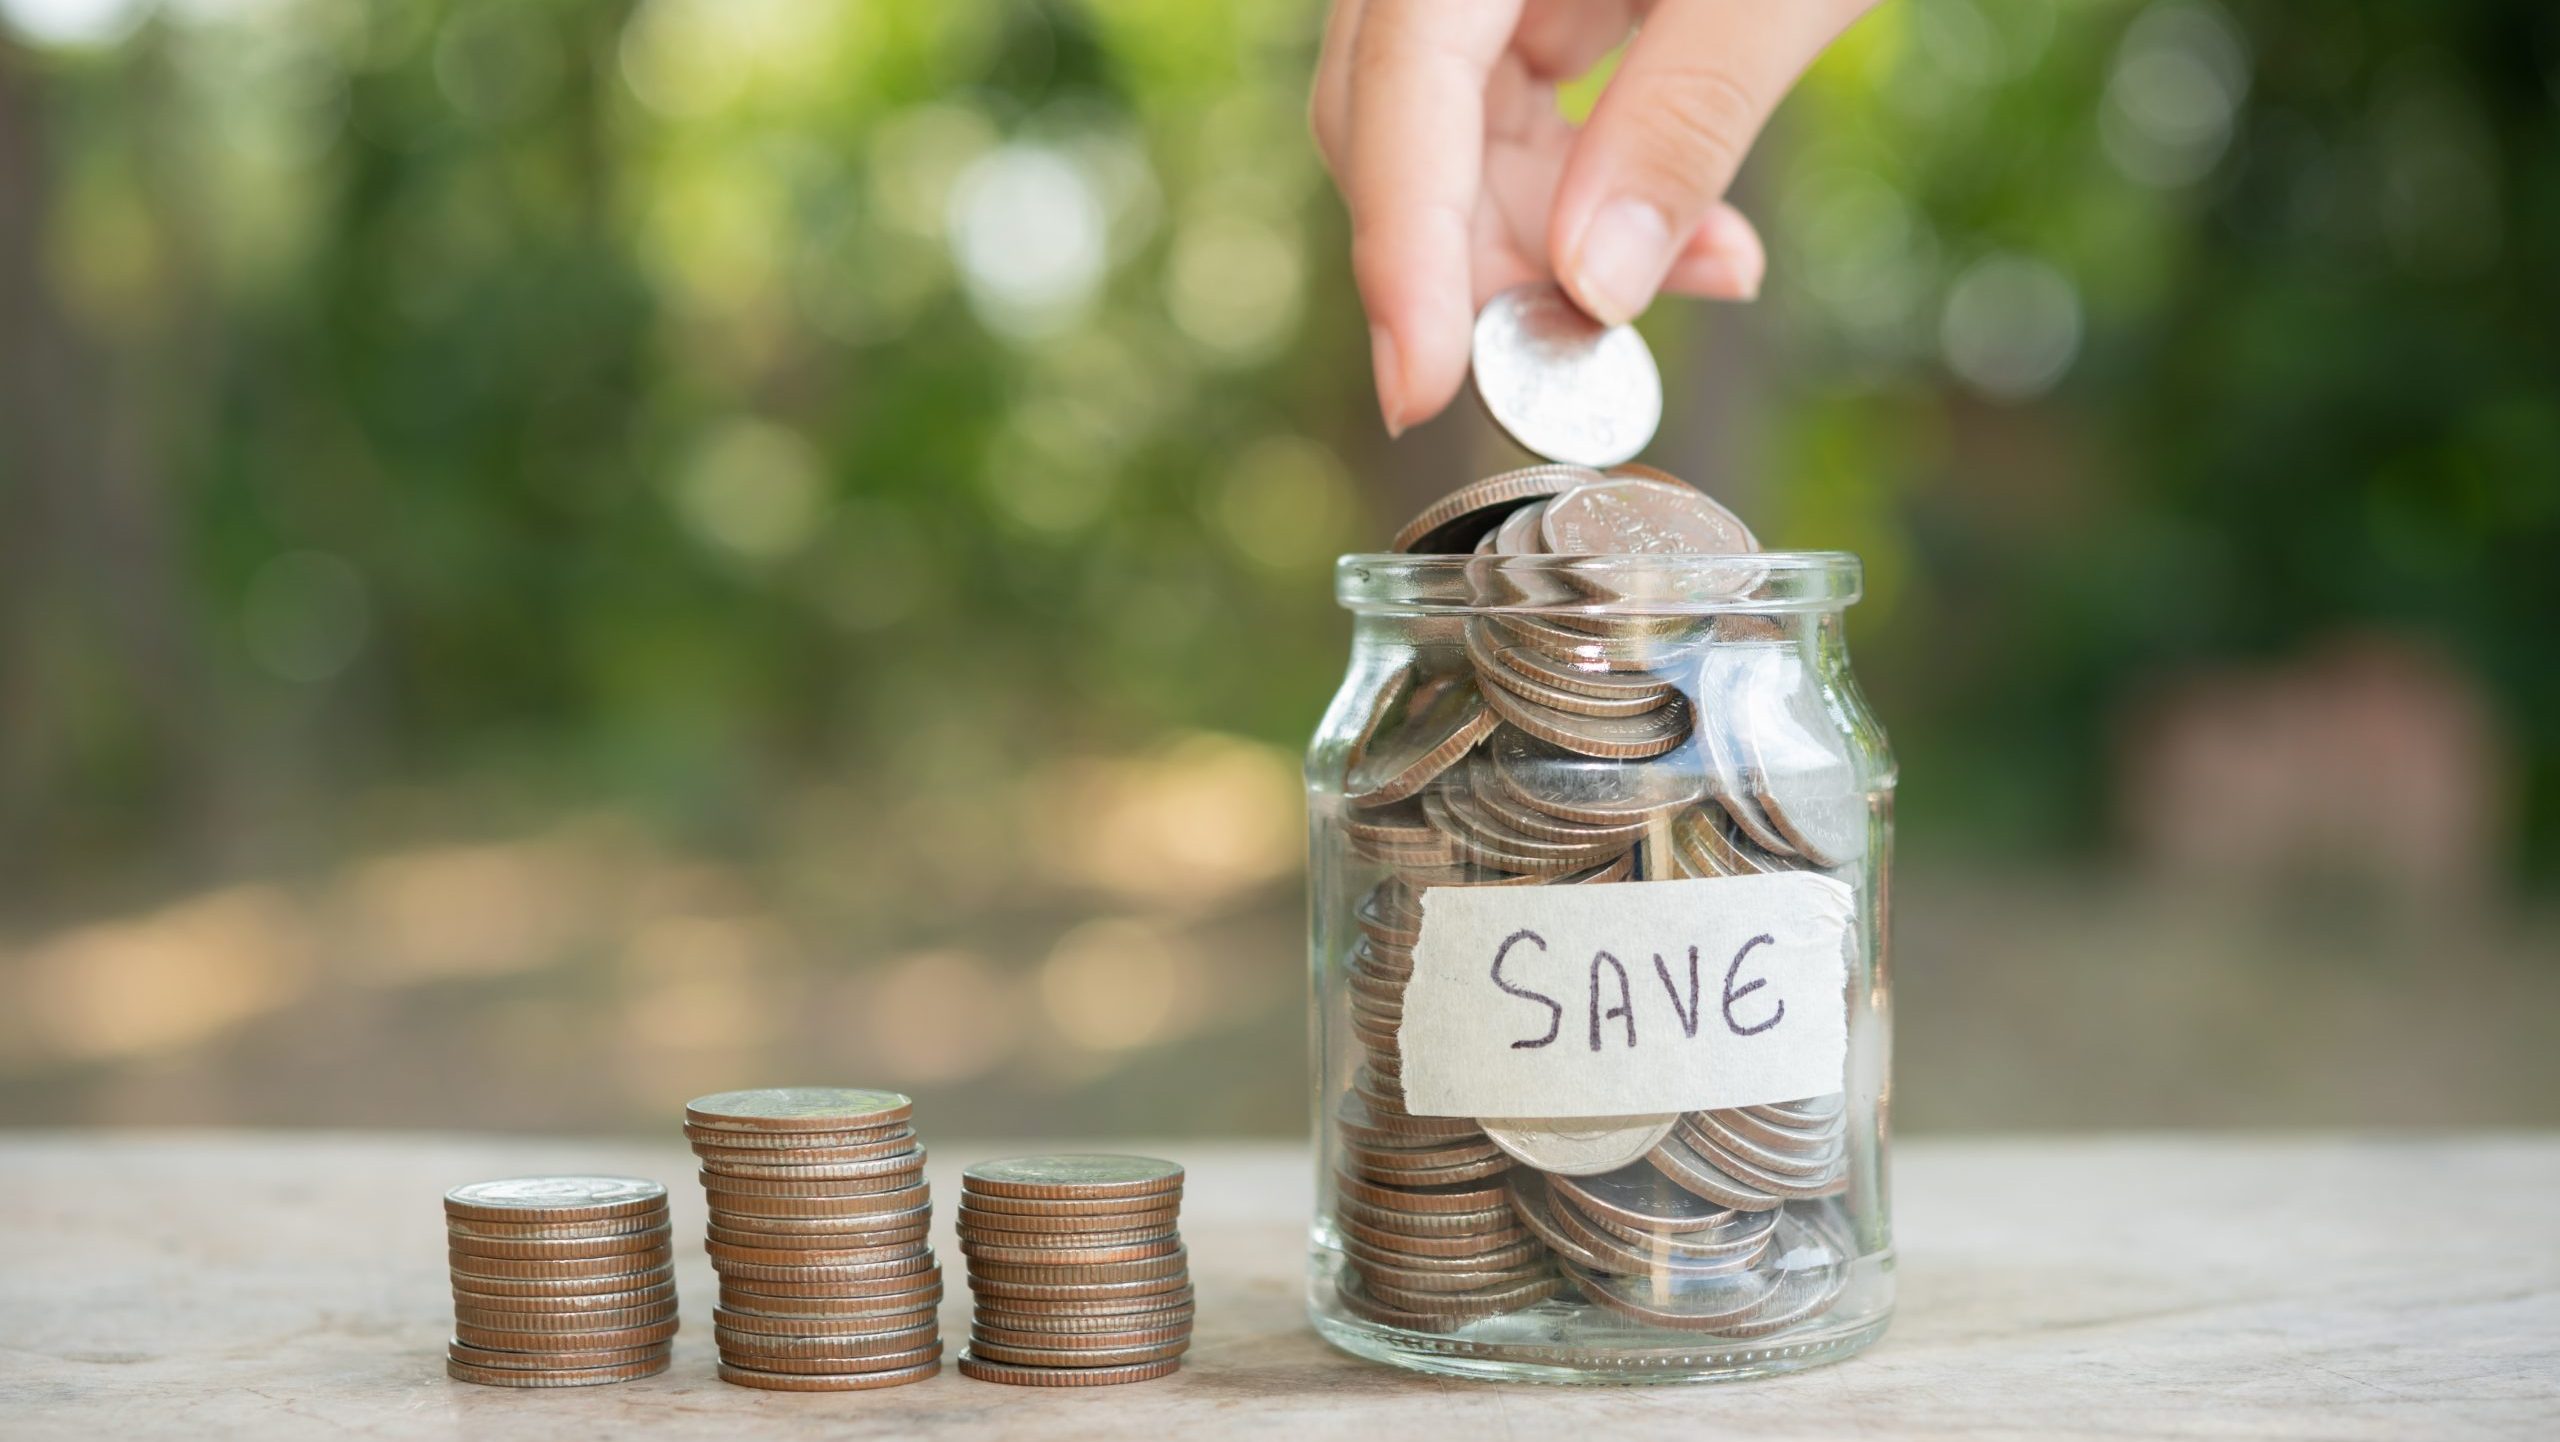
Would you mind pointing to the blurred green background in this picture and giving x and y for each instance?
(565, 553)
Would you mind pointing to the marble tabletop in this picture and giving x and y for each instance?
(278, 1285)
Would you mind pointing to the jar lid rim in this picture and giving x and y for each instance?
(1756, 581)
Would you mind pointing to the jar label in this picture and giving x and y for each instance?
(1628, 999)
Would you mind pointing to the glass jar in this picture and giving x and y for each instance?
(1598, 898)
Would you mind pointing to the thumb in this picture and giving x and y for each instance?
(1670, 131)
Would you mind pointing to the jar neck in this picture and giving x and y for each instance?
(1769, 583)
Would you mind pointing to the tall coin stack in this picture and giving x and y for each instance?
(1575, 729)
(1078, 1270)
(819, 1214)
(559, 1281)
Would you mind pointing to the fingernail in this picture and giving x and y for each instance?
(1390, 373)
(1625, 252)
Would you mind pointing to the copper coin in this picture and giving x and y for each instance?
(1454, 1244)
(1052, 1323)
(1163, 1244)
(1511, 1257)
(839, 1366)
(579, 1377)
(469, 1355)
(863, 1224)
(1027, 1293)
(1019, 1376)
(817, 1241)
(1468, 1197)
(1627, 738)
(523, 1231)
(1094, 1339)
(1424, 1155)
(1426, 1224)
(722, 1254)
(1148, 1270)
(1383, 922)
(799, 1109)
(971, 1218)
(1679, 1161)
(790, 1298)
(852, 1183)
(789, 1139)
(897, 1199)
(1609, 676)
(724, 1191)
(554, 1199)
(984, 1204)
(463, 1264)
(1426, 1177)
(582, 1302)
(910, 1314)
(792, 1165)
(975, 1235)
(1001, 1351)
(598, 1341)
(869, 1304)
(755, 1348)
(1509, 1295)
(819, 1281)
(560, 1249)
(1074, 1175)
(860, 1231)
(829, 1382)
(1084, 1315)
(1494, 664)
(1498, 799)
(1423, 737)
(1482, 837)
(537, 1288)
(1456, 521)
(796, 1149)
(648, 1314)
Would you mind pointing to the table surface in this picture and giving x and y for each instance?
(202, 1284)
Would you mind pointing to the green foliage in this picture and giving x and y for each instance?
(705, 394)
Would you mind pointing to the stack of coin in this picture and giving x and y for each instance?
(819, 1213)
(1077, 1268)
(1587, 723)
(559, 1281)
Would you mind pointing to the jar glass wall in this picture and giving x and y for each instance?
(1605, 724)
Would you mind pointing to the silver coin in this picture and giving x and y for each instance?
(1727, 678)
(1636, 517)
(1641, 1196)
(1578, 1146)
(1591, 790)
(1682, 1163)
(556, 1194)
(1803, 780)
(1563, 385)
(1094, 1173)
(1422, 732)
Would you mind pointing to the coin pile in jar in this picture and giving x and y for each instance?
(1585, 726)
(1078, 1270)
(819, 1213)
(559, 1281)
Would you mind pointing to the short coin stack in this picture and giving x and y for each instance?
(559, 1281)
(819, 1213)
(1078, 1270)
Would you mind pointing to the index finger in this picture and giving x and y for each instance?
(1414, 166)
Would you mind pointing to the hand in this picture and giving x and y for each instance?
(1438, 120)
